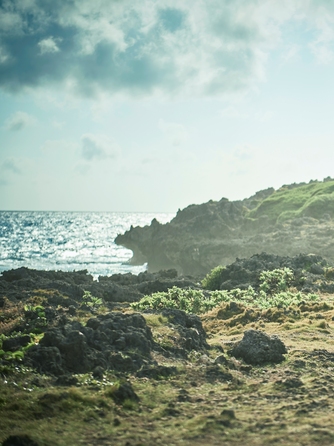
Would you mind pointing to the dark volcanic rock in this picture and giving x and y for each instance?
(13, 344)
(157, 372)
(122, 342)
(258, 348)
(19, 440)
(115, 341)
(67, 288)
(200, 237)
(190, 329)
(124, 392)
(243, 273)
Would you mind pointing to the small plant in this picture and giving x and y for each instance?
(35, 317)
(91, 301)
(37, 310)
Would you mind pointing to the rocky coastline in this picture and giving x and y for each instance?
(88, 360)
(296, 218)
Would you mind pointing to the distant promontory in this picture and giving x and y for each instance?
(297, 218)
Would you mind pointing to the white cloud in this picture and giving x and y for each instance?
(175, 133)
(48, 45)
(18, 121)
(188, 48)
(98, 147)
(143, 48)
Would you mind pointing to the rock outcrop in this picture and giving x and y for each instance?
(296, 218)
(18, 284)
(114, 341)
(258, 348)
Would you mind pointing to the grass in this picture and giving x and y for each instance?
(309, 200)
(256, 407)
(290, 403)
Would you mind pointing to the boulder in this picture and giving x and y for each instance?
(258, 348)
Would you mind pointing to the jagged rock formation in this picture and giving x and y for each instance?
(294, 219)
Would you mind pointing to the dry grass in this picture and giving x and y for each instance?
(288, 404)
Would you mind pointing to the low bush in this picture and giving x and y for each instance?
(213, 280)
(195, 301)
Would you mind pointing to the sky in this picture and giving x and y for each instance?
(150, 106)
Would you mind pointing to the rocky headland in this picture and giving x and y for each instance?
(297, 218)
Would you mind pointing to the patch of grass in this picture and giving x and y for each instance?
(11, 316)
(155, 320)
(312, 200)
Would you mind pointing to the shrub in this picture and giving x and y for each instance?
(276, 280)
(195, 301)
(213, 279)
(188, 300)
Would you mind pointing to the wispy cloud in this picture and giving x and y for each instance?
(10, 165)
(19, 121)
(98, 147)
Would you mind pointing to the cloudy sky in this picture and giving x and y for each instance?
(122, 105)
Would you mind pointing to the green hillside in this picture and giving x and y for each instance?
(307, 200)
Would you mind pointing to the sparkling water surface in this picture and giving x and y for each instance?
(69, 241)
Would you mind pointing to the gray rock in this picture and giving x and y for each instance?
(257, 348)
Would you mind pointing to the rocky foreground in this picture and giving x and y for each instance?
(79, 365)
(293, 219)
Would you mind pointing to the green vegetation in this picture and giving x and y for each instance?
(91, 301)
(212, 281)
(276, 280)
(206, 401)
(188, 300)
(311, 200)
(273, 293)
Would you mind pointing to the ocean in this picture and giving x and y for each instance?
(70, 241)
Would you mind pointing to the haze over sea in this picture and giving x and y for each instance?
(69, 241)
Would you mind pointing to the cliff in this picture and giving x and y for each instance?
(294, 219)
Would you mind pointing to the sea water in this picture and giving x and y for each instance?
(69, 241)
